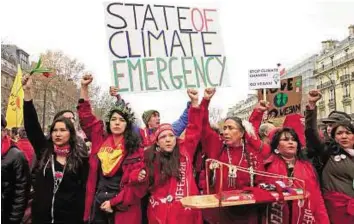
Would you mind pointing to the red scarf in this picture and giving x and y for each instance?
(5, 145)
(62, 150)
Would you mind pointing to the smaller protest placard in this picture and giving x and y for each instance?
(264, 78)
(284, 100)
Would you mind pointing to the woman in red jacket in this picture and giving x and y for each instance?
(170, 171)
(287, 159)
(116, 177)
(238, 146)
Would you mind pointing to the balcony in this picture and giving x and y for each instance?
(324, 85)
(346, 99)
(331, 103)
(344, 78)
(335, 63)
(7, 67)
(321, 104)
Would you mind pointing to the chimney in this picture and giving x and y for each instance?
(351, 31)
(328, 45)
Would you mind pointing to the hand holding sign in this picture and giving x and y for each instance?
(262, 105)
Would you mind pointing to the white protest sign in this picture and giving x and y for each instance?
(163, 47)
(265, 78)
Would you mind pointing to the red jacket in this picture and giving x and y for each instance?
(131, 192)
(256, 120)
(312, 210)
(340, 207)
(160, 210)
(148, 139)
(213, 147)
(25, 146)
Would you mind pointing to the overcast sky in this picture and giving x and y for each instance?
(255, 33)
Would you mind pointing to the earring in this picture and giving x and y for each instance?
(276, 151)
(158, 149)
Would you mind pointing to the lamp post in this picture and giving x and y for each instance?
(45, 99)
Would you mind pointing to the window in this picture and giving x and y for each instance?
(346, 90)
(331, 94)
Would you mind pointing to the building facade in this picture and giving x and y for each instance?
(305, 69)
(334, 75)
(244, 108)
(11, 56)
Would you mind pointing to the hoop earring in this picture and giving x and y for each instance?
(157, 149)
(276, 151)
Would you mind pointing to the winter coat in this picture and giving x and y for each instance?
(131, 191)
(67, 204)
(25, 146)
(214, 148)
(311, 210)
(15, 184)
(165, 205)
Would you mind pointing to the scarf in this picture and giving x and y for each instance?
(5, 145)
(111, 155)
(62, 150)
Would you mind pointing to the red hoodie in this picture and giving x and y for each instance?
(25, 146)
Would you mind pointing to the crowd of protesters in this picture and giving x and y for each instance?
(113, 171)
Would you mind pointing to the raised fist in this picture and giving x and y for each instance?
(193, 94)
(314, 96)
(86, 79)
(209, 93)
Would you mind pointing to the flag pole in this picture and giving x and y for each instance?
(264, 95)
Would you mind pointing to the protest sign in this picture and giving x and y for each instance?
(164, 47)
(284, 100)
(263, 78)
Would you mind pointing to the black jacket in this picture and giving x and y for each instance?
(15, 185)
(69, 201)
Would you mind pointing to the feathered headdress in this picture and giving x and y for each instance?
(123, 108)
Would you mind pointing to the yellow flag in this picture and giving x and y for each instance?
(14, 113)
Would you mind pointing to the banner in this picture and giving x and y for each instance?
(164, 47)
(264, 78)
(284, 100)
(14, 112)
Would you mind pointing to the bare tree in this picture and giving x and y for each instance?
(63, 65)
(215, 115)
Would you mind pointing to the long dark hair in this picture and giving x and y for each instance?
(167, 163)
(131, 138)
(76, 155)
(276, 139)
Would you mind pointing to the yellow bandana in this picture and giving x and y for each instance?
(110, 158)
